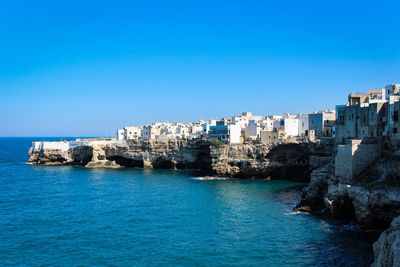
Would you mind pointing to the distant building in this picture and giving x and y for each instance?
(369, 115)
(121, 135)
(132, 132)
(291, 126)
(295, 125)
(151, 131)
(322, 122)
(267, 137)
(252, 130)
(224, 132)
(303, 125)
(358, 122)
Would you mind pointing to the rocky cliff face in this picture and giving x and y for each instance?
(371, 203)
(313, 195)
(387, 248)
(171, 154)
(48, 156)
(290, 161)
(286, 161)
(372, 199)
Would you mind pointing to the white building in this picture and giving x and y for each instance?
(231, 133)
(252, 130)
(183, 131)
(291, 126)
(303, 125)
(235, 134)
(296, 125)
(56, 145)
(390, 90)
(244, 119)
(150, 132)
(121, 135)
(272, 123)
(132, 132)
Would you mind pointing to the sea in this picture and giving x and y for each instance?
(73, 216)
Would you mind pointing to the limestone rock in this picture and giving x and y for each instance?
(289, 160)
(387, 248)
(313, 194)
(48, 156)
(103, 164)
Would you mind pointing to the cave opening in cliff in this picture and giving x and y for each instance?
(161, 163)
(347, 211)
(127, 162)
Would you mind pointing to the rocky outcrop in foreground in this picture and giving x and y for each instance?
(372, 199)
(286, 160)
(371, 203)
(387, 248)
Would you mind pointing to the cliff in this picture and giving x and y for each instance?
(286, 160)
(387, 248)
(372, 199)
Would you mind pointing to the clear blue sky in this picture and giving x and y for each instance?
(86, 68)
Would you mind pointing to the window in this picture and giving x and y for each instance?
(395, 130)
(396, 116)
(365, 119)
(352, 116)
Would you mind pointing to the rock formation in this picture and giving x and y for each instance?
(312, 198)
(387, 248)
(290, 160)
(371, 203)
(372, 199)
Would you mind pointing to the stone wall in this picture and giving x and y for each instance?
(351, 159)
(268, 137)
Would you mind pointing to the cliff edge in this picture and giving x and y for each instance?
(284, 160)
(387, 248)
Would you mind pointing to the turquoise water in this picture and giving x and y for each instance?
(59, 215)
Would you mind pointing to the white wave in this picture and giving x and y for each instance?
(209, 178)
(294, 213)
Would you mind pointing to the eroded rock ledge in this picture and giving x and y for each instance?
(372, 200)
(285, 160)
(387, 248)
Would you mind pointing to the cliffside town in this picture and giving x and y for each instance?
(350, 157)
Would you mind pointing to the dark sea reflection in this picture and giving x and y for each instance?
(346, 245)
(59, 215)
